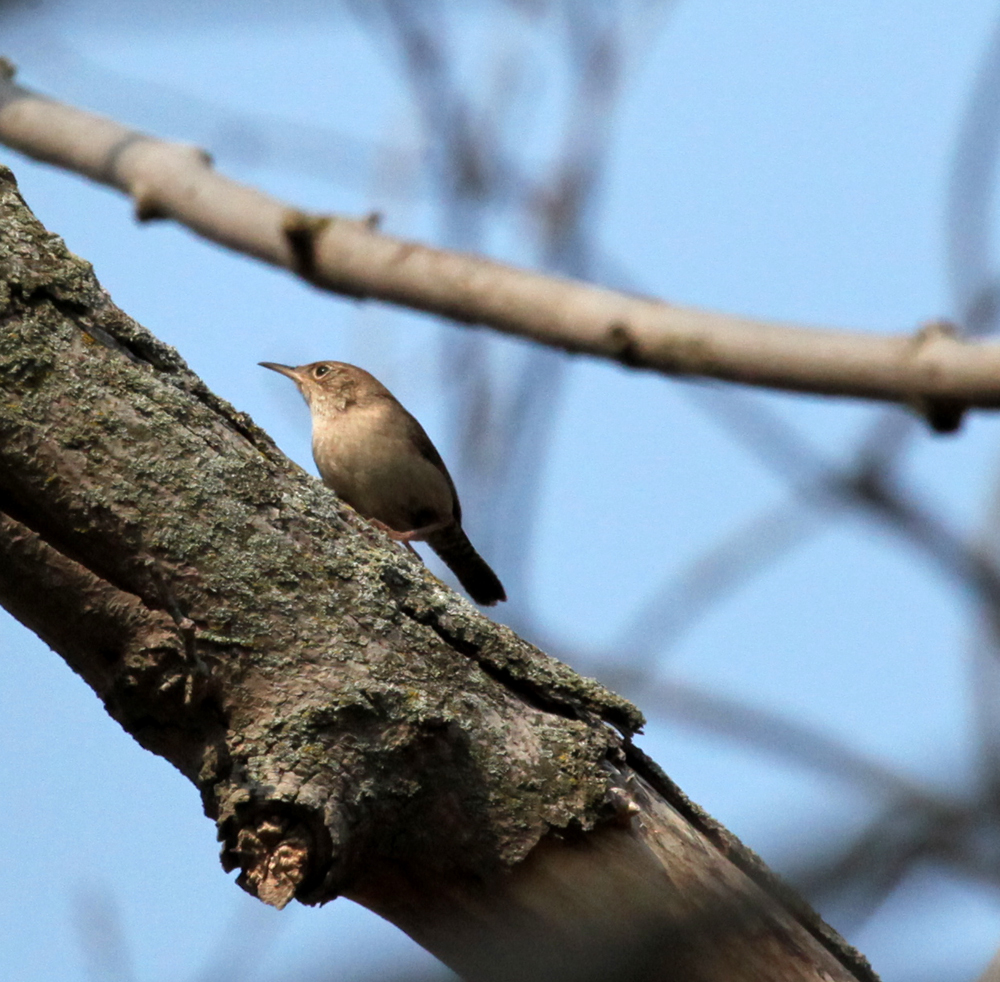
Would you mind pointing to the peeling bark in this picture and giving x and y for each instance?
(354, 727)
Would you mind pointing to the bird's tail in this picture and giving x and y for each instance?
(473, 572)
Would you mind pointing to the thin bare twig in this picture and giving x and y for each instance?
(254, 138)
(775, 734)
(504, 419)
(984, 680)
(685, 597)
(102, 936)
(860, 877)
(971, 193)
(783, 450)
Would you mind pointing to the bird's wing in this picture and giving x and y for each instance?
(429, 452)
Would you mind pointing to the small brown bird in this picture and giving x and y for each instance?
(378, 458)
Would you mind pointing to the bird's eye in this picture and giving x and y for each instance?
(320, 370)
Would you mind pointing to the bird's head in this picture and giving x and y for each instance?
(325, 384)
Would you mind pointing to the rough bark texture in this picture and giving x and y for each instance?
(354, 727)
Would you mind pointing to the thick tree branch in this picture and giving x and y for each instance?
(353, 726)
(935, 372)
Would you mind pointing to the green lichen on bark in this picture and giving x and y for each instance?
(325, 672)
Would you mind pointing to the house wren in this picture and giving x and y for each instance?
(378, 458)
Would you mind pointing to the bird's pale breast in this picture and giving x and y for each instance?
(363, 454)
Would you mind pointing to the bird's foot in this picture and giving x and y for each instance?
(413, 535)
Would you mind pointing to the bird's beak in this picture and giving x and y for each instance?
(292, 373)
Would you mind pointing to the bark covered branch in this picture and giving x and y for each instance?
(353, 726)
(934, 371)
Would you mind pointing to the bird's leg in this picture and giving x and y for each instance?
(413, 535)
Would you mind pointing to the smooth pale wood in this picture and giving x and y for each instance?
(933, 371)
(651, 897)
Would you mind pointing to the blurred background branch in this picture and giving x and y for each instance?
(509, 146)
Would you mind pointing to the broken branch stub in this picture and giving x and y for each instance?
(306, 674)
(354, 727)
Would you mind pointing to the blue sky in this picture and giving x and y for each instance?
(779, 160)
